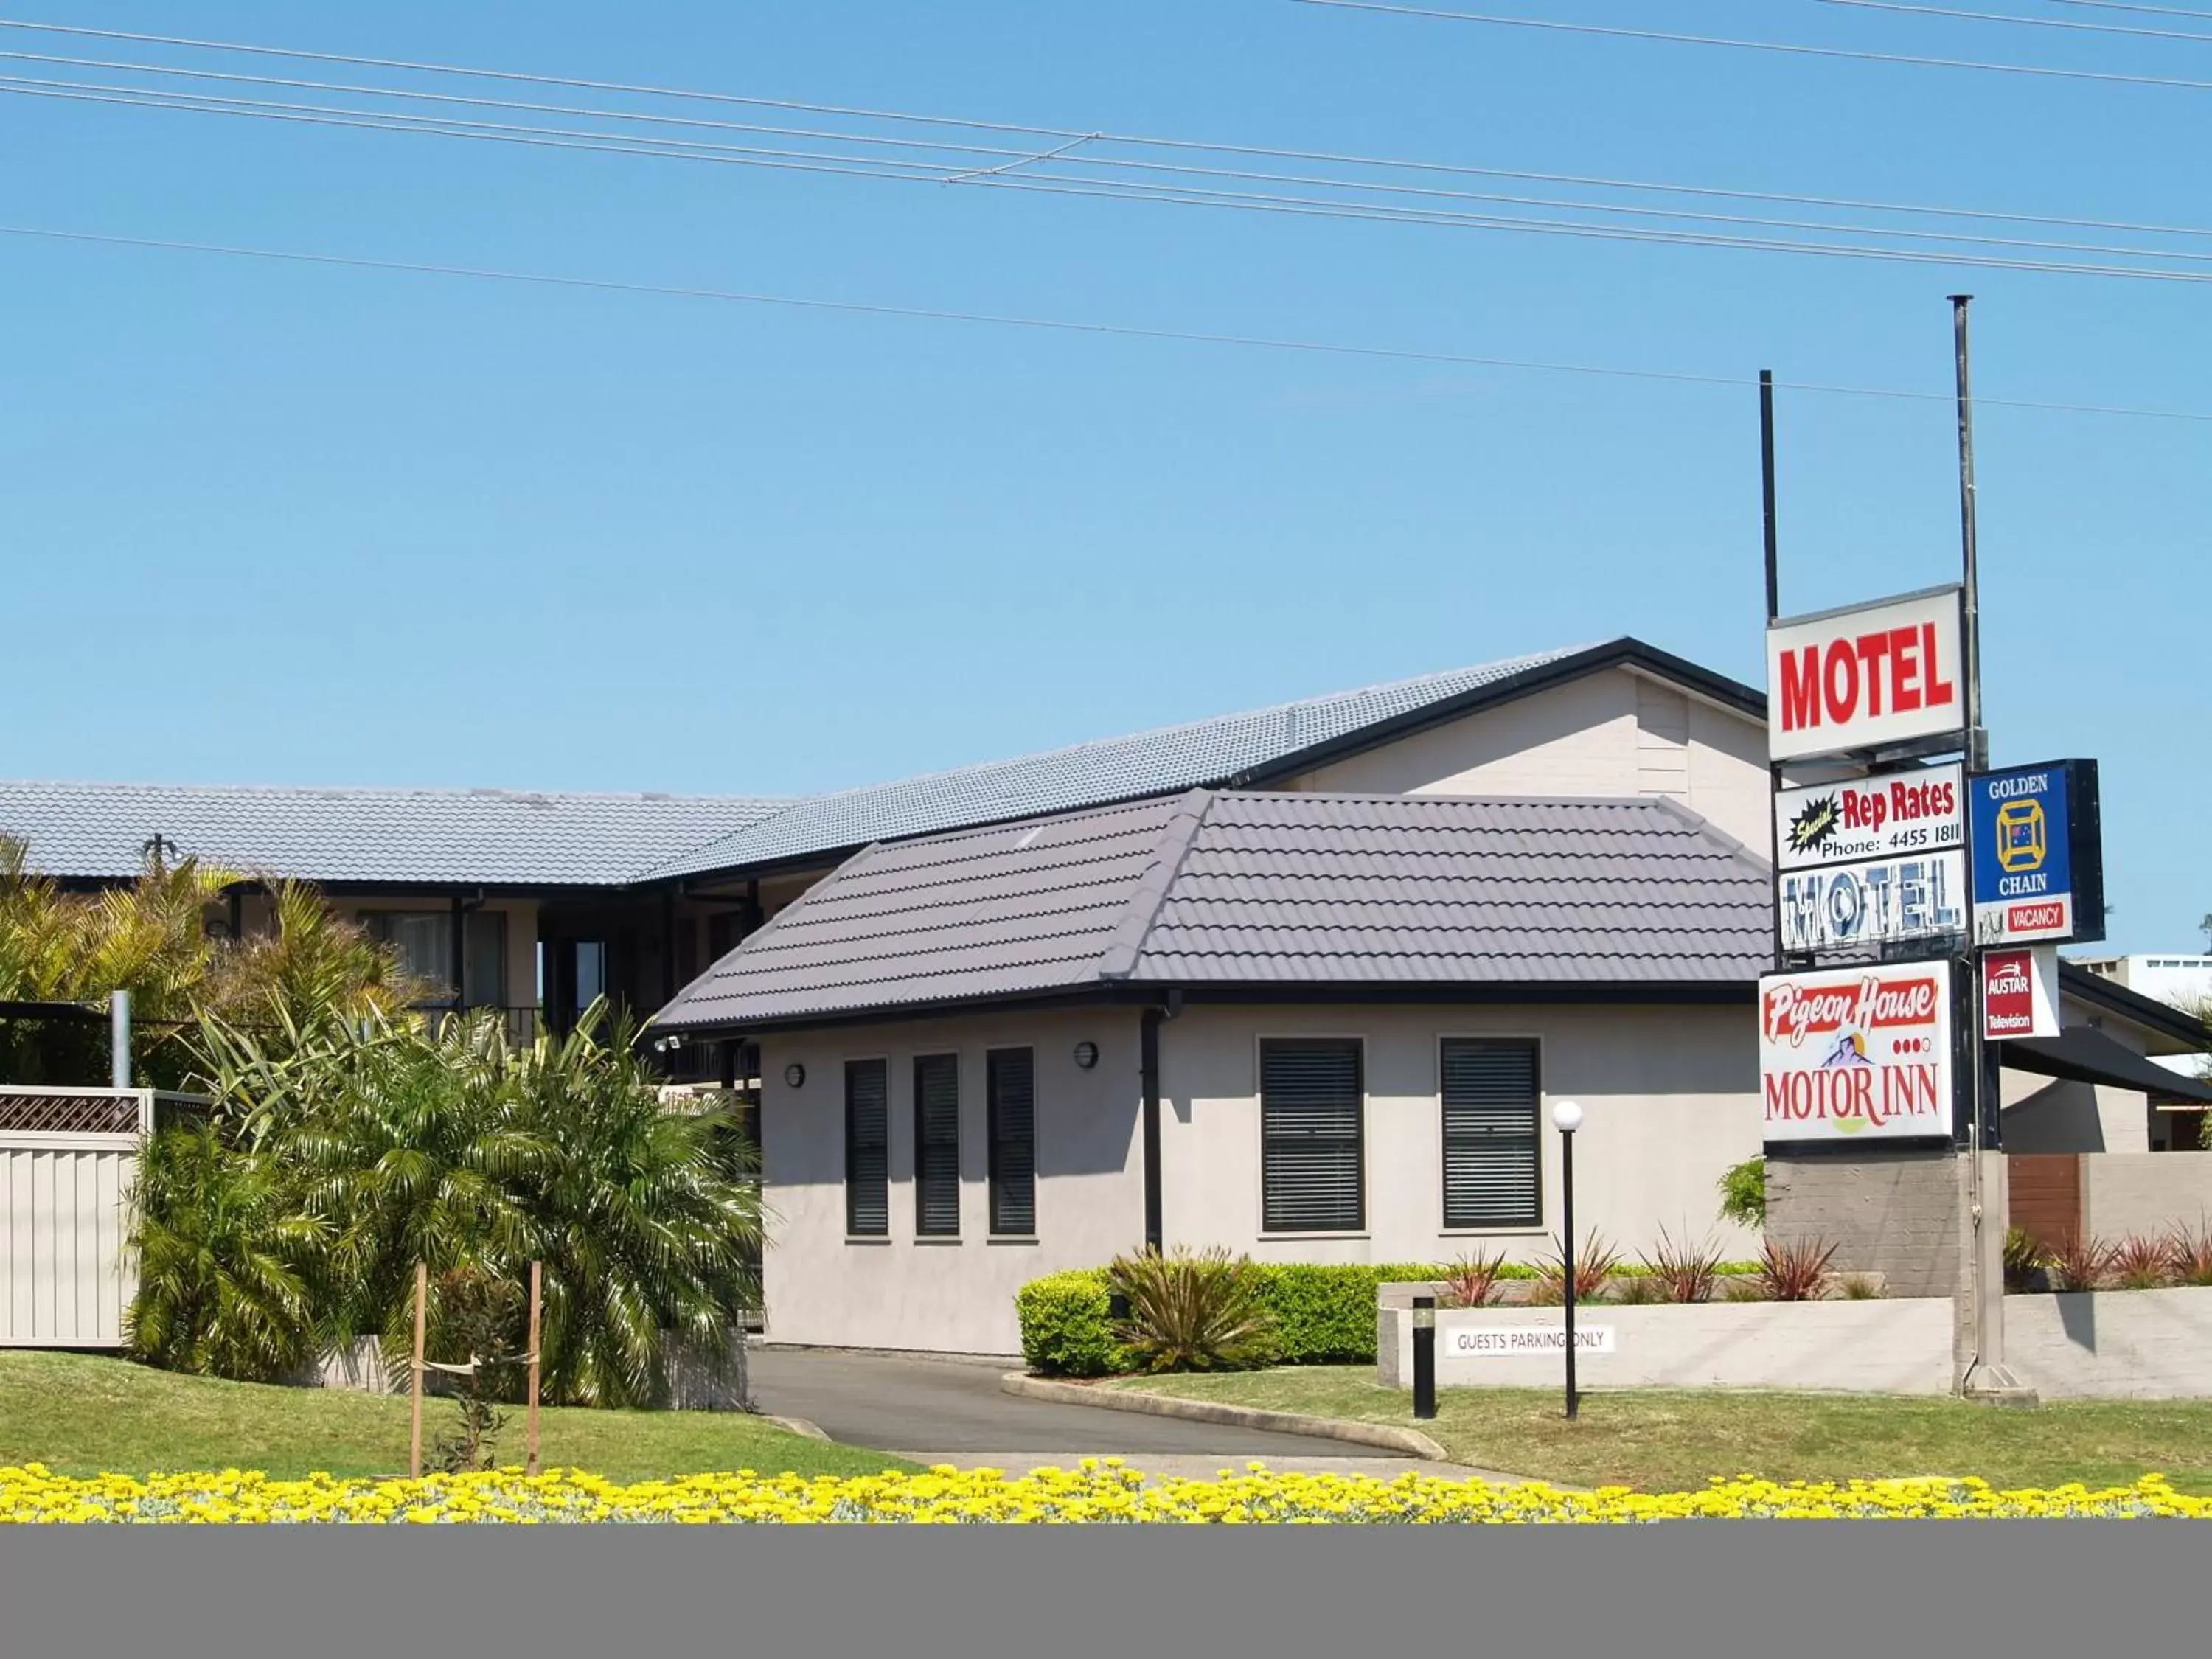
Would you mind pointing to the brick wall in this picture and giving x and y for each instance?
(1895, 1213)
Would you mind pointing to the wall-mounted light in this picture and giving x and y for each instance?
(1087, 1055)
(795, 1075)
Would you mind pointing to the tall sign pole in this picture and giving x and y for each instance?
(1774, 612)
(1983, 1275)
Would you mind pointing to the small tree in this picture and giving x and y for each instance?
(1744, 1193)
(481, 1317)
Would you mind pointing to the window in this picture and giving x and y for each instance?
(424, 942)
(937, 1146)
(1490, 1102)
(1311, 1107)
(867, 1146)
(1012, 1084)
(591, 972)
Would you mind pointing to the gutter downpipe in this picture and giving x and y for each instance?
(1148, 1068)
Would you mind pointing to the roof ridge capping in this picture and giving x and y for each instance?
(1713, 832)
(1119, 959)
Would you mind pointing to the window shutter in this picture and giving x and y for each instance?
(937, 1144)
(1489, 1110)
(1311, 1107)
(1013, 1140)
(867, 1146)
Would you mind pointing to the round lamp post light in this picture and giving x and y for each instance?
(1567, 1117)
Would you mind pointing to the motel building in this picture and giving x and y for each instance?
(1315, 1007)
(1301, 982)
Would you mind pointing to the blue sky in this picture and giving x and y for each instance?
(271, 523)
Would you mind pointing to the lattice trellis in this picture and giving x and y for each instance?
(95, 1112)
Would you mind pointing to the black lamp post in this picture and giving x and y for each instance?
(1567, 1116)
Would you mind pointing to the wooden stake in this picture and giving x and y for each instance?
(422, 1322)
(530, 1466)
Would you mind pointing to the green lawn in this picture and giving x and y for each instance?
(1666, 1440)
(80, 1414)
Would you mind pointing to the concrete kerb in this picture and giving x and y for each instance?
(1411, 1442)
(798, 1425)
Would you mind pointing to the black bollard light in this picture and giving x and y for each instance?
(1425, 1356)
(1568, 1116)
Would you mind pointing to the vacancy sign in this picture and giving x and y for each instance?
(2020, 993)
(1869, 677)
(1857, 1053)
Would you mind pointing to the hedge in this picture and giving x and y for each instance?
(1324, 1314)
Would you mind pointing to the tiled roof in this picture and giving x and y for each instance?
(1209, 752)
(495, 836)
(1258, 888)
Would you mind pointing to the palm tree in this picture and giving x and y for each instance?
(651, 1216)
(226, 1261)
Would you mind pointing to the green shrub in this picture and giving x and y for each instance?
(1192, 1310)
(1068, 1327)
(1744, 1193)
(1320, 1314)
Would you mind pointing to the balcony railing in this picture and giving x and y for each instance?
(523, 1025)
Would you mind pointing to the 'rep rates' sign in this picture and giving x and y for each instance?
(1870, 677)
(1856, 1053)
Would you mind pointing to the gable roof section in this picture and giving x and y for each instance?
(1265, 745)
(1241, 889)
(492, 837)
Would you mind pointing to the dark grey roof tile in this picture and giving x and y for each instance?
(1258, 889)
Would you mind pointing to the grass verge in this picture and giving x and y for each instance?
(1676, 1440)
(92, 1414)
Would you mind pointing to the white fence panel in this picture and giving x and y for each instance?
(65, 1275)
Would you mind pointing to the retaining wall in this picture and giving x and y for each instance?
(2139, 1344)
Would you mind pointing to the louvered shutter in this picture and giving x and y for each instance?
(1311, 1108)
(867, 1146)
(937, 1144)
(1490, 1101)
(1013, 1140)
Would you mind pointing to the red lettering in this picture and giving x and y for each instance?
(1872, 648)
(1843, 691)
(1801, 688)
(1939, 691)
(1904, 670)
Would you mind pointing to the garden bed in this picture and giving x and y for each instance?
(1095, 1493)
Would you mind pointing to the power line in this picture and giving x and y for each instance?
(2134, 31)
(2122, 5)
(1126, 330)
(1062, 184)
(1007, 158)
(1618, 32)
(1049, 134)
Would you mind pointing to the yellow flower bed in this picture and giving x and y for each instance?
(1093, 1491)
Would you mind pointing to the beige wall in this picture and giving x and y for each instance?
(1669, 1095)
(2048, 1114)
(2149, 1193)
(1670, 1098)
(953, 1295)
(1883, 1346)
(1612, 733)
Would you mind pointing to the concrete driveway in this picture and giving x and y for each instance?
(951, 1411)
